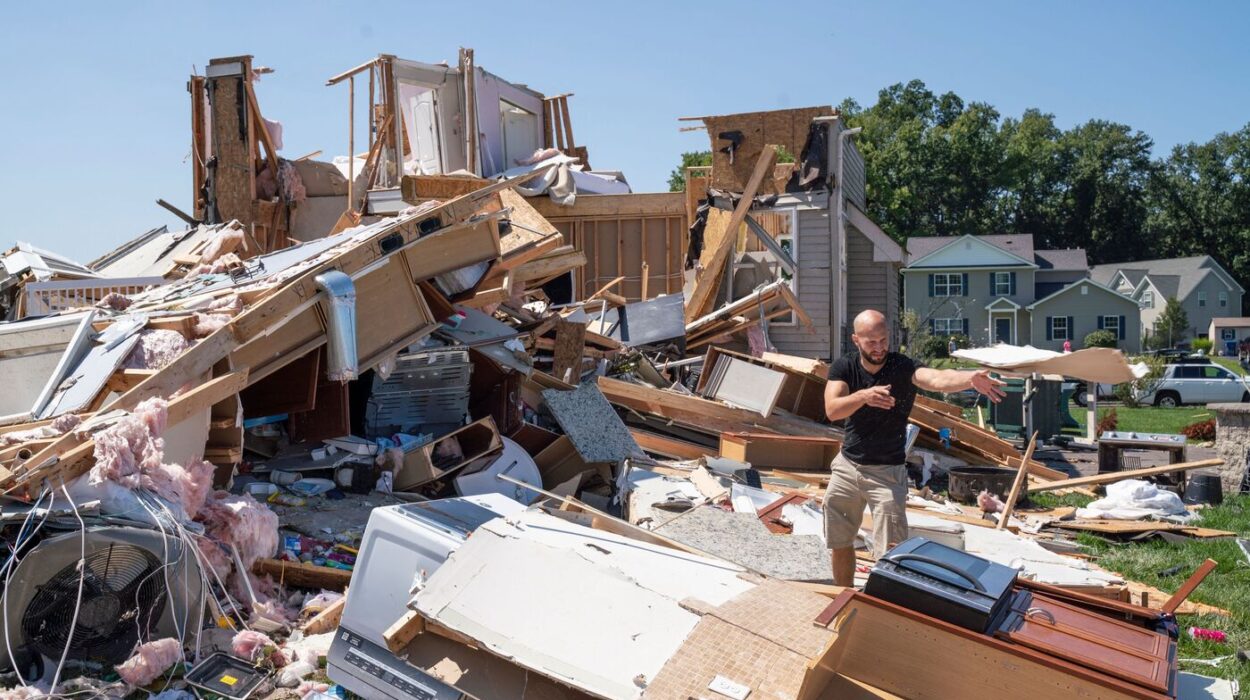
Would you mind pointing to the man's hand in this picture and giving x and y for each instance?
(985, 384)
(877, 397)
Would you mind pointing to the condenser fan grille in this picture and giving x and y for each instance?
(123, 597)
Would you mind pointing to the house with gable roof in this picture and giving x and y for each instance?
(1205, 290)
(1000, 289)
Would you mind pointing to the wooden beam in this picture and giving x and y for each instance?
(327, 620)
(1112, 477)
(612, 206)
(550, 265)
(401, 632)
(707, 283)
(670, 447)
(1022, 477)
(1188, 587)
(303, 575)
(706, 416)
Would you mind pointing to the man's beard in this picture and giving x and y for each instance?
(876, 358)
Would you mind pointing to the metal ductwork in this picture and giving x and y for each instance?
(341, 321)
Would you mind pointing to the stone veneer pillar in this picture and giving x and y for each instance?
(1232, 442)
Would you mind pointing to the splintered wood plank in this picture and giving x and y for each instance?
(1112, 477)
(707, 283)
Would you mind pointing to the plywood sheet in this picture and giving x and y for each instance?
(785, 127)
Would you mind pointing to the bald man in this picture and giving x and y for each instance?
(873, 389)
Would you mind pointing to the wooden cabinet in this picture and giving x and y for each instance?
(1098, 642)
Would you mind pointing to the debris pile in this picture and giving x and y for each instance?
(471, 400)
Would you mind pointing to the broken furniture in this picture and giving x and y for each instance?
(966, 623)
(1112, 445)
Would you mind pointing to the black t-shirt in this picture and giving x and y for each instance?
(874, 435)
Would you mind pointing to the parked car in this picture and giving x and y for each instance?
(1197, 384)
(1080, 392)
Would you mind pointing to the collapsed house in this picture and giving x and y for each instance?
(387, 432)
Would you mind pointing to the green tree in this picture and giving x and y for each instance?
(1172, 326)
(1199, 202)
(677, 178)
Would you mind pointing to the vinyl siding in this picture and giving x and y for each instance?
(814, 281)
(1085, 310)
(972, 307)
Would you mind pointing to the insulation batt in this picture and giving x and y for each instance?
(157, 347)
(131, 453)
(150, 661)
(242, 522)
(59, 426)
(224, 241)
(989, 502)
(251, 645)
(214, 557)
(115, 301)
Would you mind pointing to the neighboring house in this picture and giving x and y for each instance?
(1205, 290)
(1228, 333)
(999, 289)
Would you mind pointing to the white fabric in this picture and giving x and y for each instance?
(1134, 499)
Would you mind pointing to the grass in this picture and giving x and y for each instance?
(1227, 587)
(1148, 419)
(1231, 364)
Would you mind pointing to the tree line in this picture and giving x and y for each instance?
(940, 166)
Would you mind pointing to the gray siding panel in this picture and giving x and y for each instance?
(854, 175)
(813, 289)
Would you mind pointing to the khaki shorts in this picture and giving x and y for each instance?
(882, 488)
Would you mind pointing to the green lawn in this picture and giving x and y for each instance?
(1148, 419)
(952, 363)
(1227, 587)
(1231, 364)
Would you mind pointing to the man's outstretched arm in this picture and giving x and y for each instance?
(952, 380)
(840, 402)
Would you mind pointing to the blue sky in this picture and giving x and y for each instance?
(95, 116)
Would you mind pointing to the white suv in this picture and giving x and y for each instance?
(1198, 384)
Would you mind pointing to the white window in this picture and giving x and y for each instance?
(1228, 334)
(1002, 284)
(1223, 299)
(1202, 298)
(1110, 323)
(1148, 298)
(1059, 327)
(948, 284)
(948, 326)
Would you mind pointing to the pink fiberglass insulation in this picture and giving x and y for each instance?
(207, 324)
(115, 301)
(242, 522)
(131, 453)
(251, 645)
(157, 348)
(989, 502)
(27, 692)
(150, 661)
(214, 557)
(224, 241)
(225, 262)
(59, 426)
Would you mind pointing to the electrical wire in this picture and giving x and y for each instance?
(10, 566)
(82, 577)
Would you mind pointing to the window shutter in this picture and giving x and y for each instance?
(965, 285)
(992, 287)
(1122, 332)
(932, 325)
(931, 294)
(1101, 318)
(1071, 329)
(965, 328)
(1050, 331)
(1013, 284)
